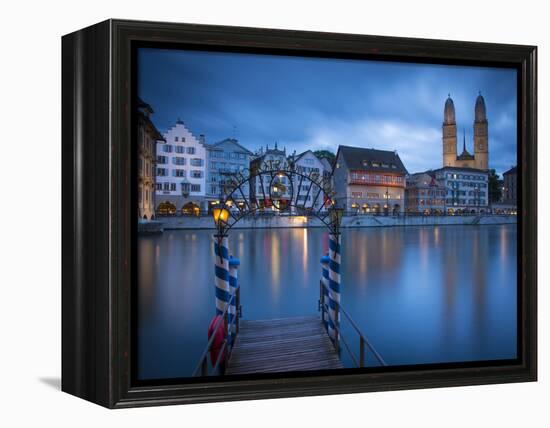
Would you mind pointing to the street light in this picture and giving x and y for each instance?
(221, 215)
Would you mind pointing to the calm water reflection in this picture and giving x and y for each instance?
(420, 294)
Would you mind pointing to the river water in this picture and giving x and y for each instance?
(419, 294)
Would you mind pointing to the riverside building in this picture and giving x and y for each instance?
(147, 136)
(467, 189)
(307, 163)
(225, 158)
(369, 180)
(264, 189)
(424, 194)
(181, 172)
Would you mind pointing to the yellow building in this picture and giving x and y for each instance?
(147, 137)
(480, 158)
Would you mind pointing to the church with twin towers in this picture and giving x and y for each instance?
(480, 158)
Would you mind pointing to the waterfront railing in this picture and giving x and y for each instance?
(364, 343)
(224, 352)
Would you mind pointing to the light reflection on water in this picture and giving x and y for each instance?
(420, 294)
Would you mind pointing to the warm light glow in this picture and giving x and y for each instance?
(220, 214)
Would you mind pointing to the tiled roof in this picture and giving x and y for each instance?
(371, 159)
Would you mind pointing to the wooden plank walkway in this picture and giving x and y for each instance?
(282, 345)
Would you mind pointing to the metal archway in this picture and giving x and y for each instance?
(235, 200)
(226, 285)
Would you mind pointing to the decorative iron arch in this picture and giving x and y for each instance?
(238, 205)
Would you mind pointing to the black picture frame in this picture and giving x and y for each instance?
(98, 225)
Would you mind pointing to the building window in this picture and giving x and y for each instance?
(175, 138)
(196, 174)
(196, 162)
(161, 159)
(178, 160)
(195, 187)
(166, 186)
(162, 172)
(180, 149)
(167, 148)
(173, 187)
(190, 150)
(178, 173)
(159, 186)
(356, 194)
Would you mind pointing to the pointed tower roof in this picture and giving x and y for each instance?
(465, 155)
(481, 111)
(449, 112)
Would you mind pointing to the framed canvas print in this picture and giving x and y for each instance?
(253, 213)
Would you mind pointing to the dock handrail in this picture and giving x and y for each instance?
(323, 307)
(202, 366)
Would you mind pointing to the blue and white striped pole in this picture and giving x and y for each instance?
(325, 281)
(233, 285)
(334, 241)
(221, 251)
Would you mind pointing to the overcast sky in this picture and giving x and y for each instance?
(312, 103)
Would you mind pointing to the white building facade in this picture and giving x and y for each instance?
(467, 189)
(307, 163)
(261, 186)
(181, 172)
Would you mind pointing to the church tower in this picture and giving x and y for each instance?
(449, 133)
(481, 135)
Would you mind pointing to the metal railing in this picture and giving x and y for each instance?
(226, 348)
(339, 337)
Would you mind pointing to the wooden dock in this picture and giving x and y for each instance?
(282, 345)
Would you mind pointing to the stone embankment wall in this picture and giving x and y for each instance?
(274, 222)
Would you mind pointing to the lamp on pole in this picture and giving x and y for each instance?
(220, 215)
(221, 251)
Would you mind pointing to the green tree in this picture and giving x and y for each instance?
(326, 154)
(495, 187)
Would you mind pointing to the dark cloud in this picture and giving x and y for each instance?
(320, 103)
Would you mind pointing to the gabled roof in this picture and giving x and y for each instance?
(229, 140)
(327, 164)
(415, 180)
(371, 159)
